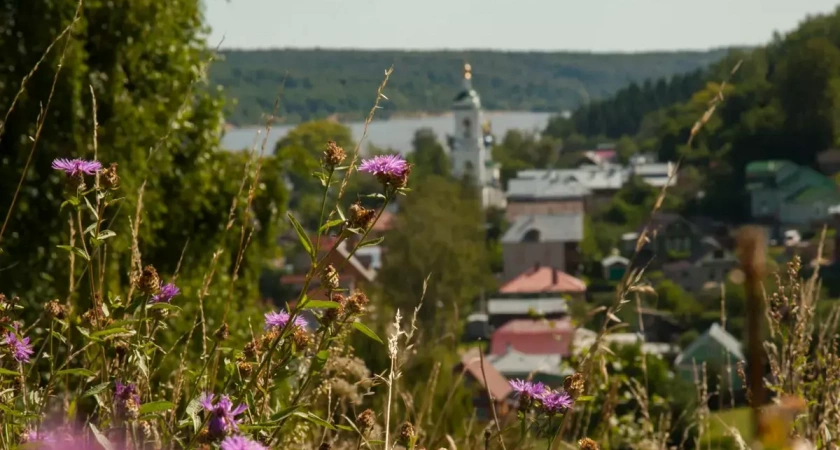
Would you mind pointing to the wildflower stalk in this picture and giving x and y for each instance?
(330, 174)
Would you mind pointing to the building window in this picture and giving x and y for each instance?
(467, 131)
(531, 236)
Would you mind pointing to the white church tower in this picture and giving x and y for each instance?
(469, 152)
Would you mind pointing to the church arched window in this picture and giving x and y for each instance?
(467, 126)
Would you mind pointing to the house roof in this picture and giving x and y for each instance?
(385, 222)
(514, 362)
(546, 228)
(768, 167)
(543, 279)
(595, 177)
(534, 336)
(584, 338)
(717, 334)
(497, 384)
(614, 259)
(544, 189)
(524, 306)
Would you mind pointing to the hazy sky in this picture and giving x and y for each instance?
(597, 25)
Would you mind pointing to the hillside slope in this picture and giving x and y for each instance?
(324, 82)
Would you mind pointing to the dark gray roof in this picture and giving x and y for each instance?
(544, 188)
(551, 228)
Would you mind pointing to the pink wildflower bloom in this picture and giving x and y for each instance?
(76, 166)
(21, 349)
(280, 319)
(241, 443)
(388, 165)
(222, 414)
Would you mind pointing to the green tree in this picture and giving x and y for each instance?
(438, 232)
(428, 157)
(157, 121)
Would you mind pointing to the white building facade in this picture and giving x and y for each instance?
(469, 150)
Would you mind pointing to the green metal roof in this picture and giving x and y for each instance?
(766, 167)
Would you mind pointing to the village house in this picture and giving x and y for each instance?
(718, 350)
(543, 196)
(545, 240)
(539, 292)
(585, 338)
(786, 194)
(534, 336)
(671, 238)
(544, 368)
(614, 266)
(500, 392)
(707, 268)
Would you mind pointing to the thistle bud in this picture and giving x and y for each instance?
(365, 421)
(356, 303)
(587, 444)
(329, 279)
(149, 281)
(406, 435)
(223, 333)
(399, 180)
(574, 384)
(333, 155)
(109, 177)
(361, 217)
(301, 338)
(245, 368)
(56, 310)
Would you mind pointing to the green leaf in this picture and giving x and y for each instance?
(103, 441)
(325, 304)
(282, 414)
(113, 331)
(372, 242)
(367, 331)
(382, 196)
(105, 234)
(584, 398)
(192, 410)
(75, 250)
(95, 390)
(304, 238)
(340, 213)
(77, 371)
(153, 407)
(7, 372)
(163, 306)
(91, 208)
(58, 336)
(330, 224)
(345, 428)
(315, 419)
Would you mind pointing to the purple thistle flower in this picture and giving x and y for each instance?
(553, 402)
(21, 348)
(166, 293)
(388, 165)
(241, 443)
(280, 319)
(527, 388)
(76, 166)
(223, 414)
(124, 393)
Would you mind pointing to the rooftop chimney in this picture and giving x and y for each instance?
(553, 276)
(536, 266)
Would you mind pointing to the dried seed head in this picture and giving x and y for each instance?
(357, 302)
(333, 154)
(204, 436)
(301, 338)
(245, 368)
(132, 409)
(365, 421)
(55, 309)
(121, 348)
(401, 180)
(574, 384)
(149, 281)
(360, 217)
(223, 333)
(109, 177)
(250, 349)
(329, 279)
(587, 444)
(268, 338)
(406, 434)
(333, 314)
(160, 314)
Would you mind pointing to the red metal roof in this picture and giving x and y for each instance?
(498, 385)
(542, 337)
(541, 279)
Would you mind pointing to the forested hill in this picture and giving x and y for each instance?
(320, 83)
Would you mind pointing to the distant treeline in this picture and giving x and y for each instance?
(320, 83)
